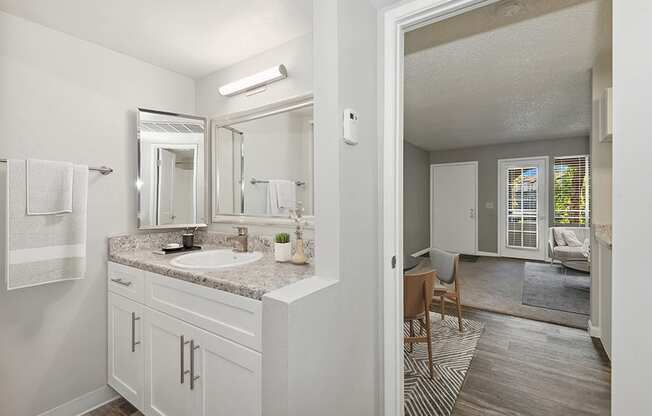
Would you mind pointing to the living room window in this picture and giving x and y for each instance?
(571, 192)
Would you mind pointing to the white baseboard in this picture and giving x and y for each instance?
(84, 403)
(594, 331)
(486, 254)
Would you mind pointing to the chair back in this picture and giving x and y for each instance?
(417, 293)
(445, 264)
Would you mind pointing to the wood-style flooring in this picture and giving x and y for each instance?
(529, 368)
(521, 368)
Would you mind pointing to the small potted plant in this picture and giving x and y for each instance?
(282, 247)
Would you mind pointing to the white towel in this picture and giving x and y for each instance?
(49, 187)
(281, 197)
(43, 249)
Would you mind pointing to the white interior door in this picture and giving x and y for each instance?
(523, 204)
(453, 207)
(166, 166)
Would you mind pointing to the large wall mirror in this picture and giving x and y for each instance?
(170, 170)
(263, 164)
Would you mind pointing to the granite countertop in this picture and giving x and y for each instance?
(603, 234)
(251, 280)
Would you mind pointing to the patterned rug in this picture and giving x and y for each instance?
(452, 353)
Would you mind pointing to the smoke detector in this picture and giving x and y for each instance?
(509, 8)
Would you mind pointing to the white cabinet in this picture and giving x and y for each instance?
(126, 357)
(167, 361)
(229, 380)
(187, 351)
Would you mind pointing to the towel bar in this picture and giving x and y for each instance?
(104, 170)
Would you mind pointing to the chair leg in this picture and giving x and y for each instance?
(432, 370)
(412, 335)
(422, 326)
(458, 301)
(459, 313)
(443, 307)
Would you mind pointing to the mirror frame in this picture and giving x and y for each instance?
(204, 177)
(282, 106)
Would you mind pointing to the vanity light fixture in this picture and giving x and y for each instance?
(252, 82)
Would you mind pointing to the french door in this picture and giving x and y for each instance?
(523, 207)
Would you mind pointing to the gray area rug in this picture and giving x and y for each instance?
(452, 352)
(552, 287)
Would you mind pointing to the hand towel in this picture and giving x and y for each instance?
(42, 249)
(281, 197)
(49, 187)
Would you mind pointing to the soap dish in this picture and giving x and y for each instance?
(179, 249)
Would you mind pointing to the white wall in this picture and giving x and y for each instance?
(296, 55)
(345, 77)
(632, 169)
(62, 98)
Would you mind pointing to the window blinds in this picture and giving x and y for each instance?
(522, 207)
(572, 193)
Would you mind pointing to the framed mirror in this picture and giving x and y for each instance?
(263, 162)
(171, 170)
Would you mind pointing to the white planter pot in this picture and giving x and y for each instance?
(282, 252)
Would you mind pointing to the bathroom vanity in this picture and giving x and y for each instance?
(188, 341)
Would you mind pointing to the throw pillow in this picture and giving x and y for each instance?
(559, 236)
(571, 239)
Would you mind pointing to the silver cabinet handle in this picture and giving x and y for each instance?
(181, 348)
(134, 318)
(121, 282)
(193, 377)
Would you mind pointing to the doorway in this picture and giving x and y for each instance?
(523, 206)
(453, 207)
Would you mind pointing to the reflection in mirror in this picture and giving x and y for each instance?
(170, 169)
(264, 166)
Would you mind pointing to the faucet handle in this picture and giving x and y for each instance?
(242, 230)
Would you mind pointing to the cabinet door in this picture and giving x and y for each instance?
(229, 377)
(167, 391)
(126, 357)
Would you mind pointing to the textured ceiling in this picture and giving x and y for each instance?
(191, 37)
(486, 77)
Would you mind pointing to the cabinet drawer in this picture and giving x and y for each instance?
(127, 281)
(234, 317)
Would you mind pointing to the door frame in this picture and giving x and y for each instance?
(501, 207)
(394, 21)
(473, 163)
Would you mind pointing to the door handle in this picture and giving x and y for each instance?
(121, 282)
(134, 318)
(193, 377)
(182, 358)
(471, 213)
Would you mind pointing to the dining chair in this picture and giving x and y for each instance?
(446, 265)
(417, 299)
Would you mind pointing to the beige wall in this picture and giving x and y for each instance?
(416, 201)
(487, 157)
(65, 99)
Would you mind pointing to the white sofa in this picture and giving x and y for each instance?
(574, 257)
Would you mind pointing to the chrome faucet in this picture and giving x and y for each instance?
(240, 240)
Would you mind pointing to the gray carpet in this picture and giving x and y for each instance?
(552, 287)
(452, 352)
(496, 284)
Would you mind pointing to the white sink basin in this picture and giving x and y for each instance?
(215, 259)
